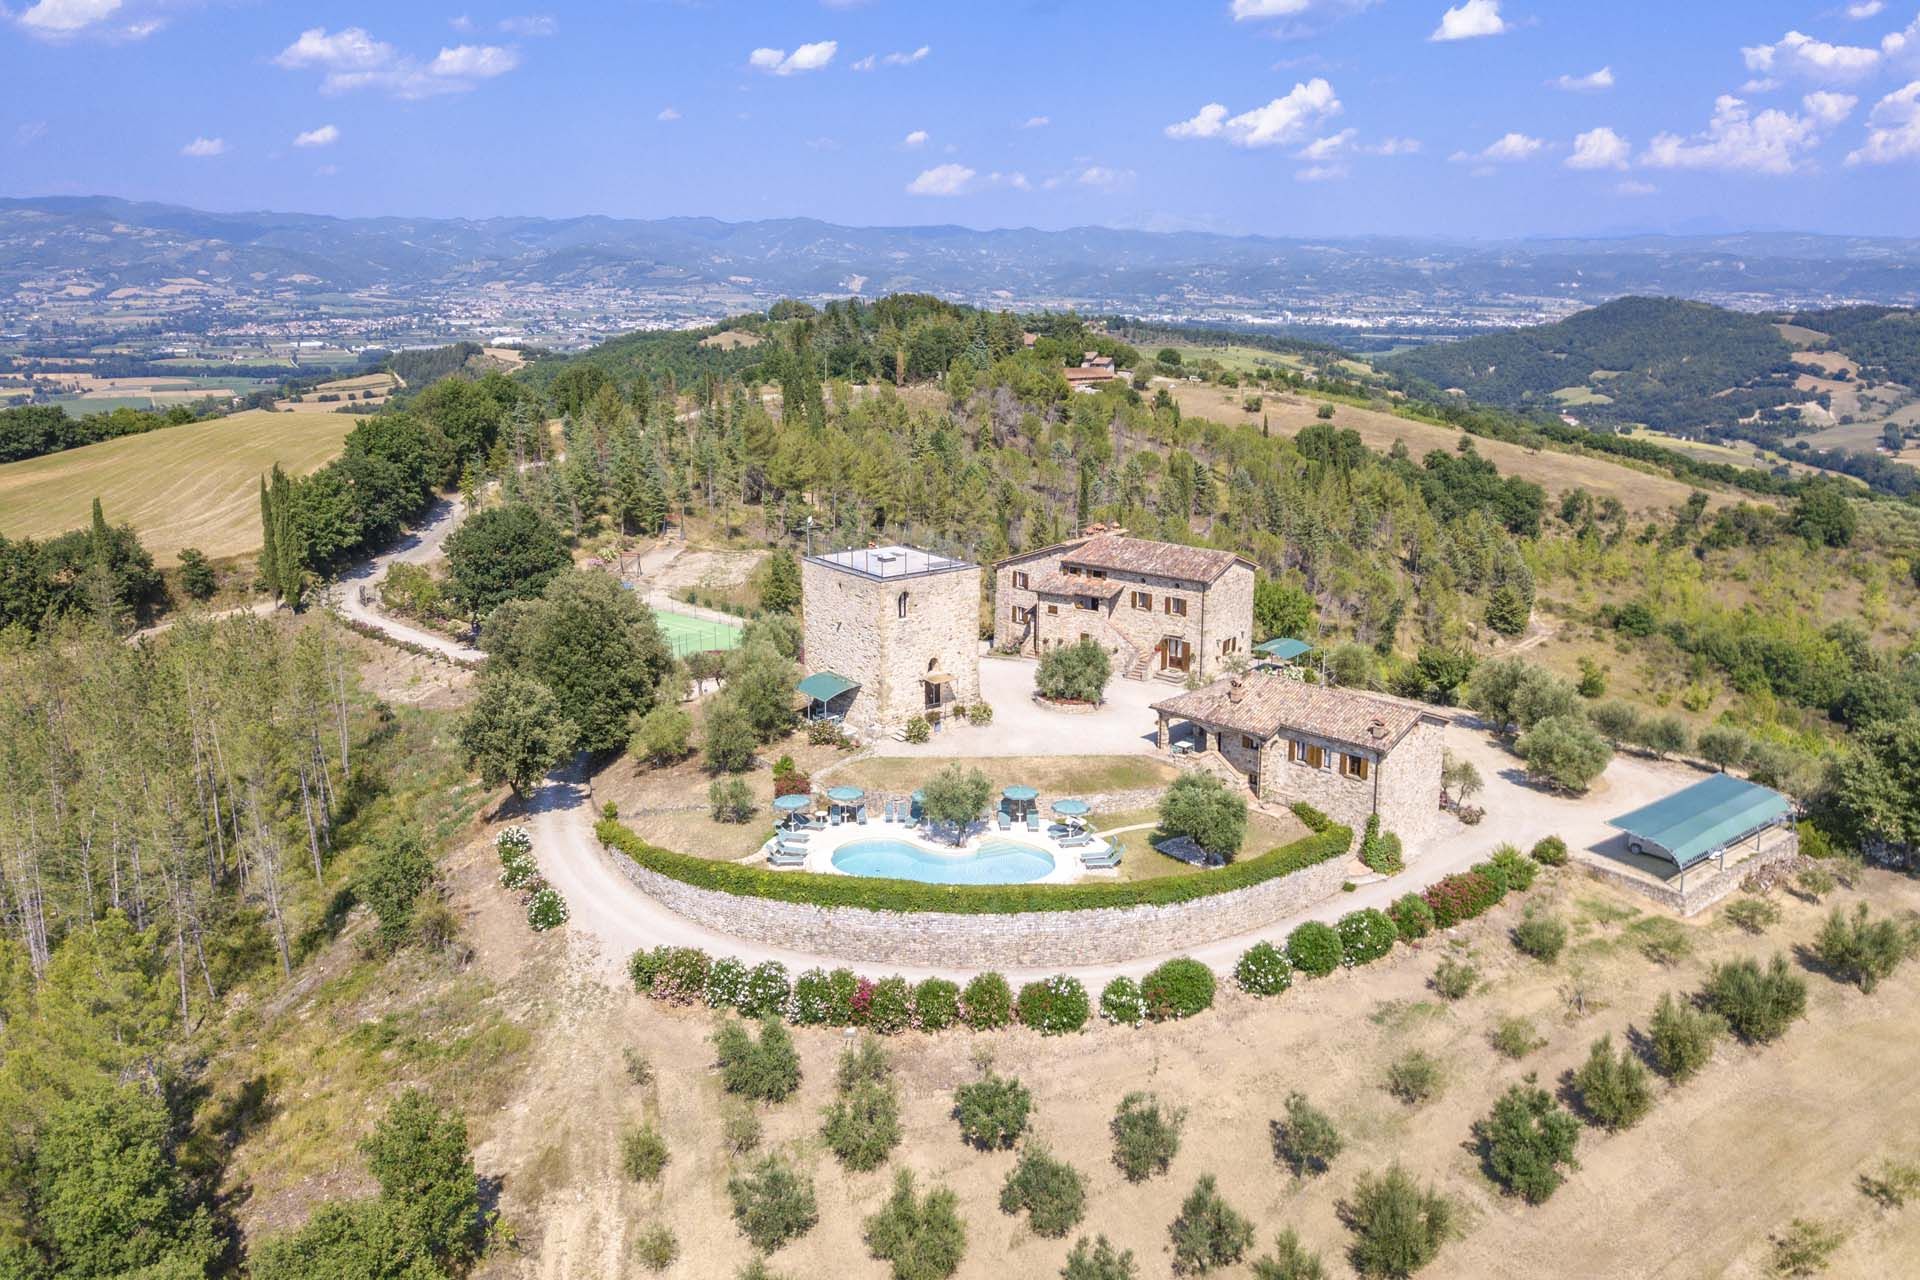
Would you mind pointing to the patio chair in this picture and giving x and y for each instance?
(833, 819)
(1006, 823)
(860, 816)
(1033, 820)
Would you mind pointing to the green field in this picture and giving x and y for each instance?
(686, 634)
(1580, 396)
(191, 486)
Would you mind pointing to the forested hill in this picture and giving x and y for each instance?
(1675, 366)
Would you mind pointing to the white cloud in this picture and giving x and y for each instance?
(1283, 120)
(808, 57)
(1507, 149)
(1326, 148)
(1593, 82)
(871, 61)
(1600, 148)
(205, 148)
(325, 136)
(59, 19)
(1829, 108)
(1736, 139)
(1634, 187)
(352, 59)
(25, 135)
(1470, 19)
(1036, 122)
(1321, 173)
(668, 114)
(460, 22)
(1393, 147)
(1104, 177)
(1244, 9)
(1893, 129)
(942, 180)
(1800, 54)
(1865, 9)
(533, 24)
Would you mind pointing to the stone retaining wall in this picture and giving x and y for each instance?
(1693, 892)
(1035, 939)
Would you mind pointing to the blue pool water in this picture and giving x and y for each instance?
(995, 862)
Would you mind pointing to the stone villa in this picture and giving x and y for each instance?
(1347, 754)
(1160, 608)
(890, 633)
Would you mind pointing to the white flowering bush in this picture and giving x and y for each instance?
(1263, 970)
(765, 991)
(1121, 1003)
(1053, 1006)
(1365, 936)
(546, 909)
(726, 983)
(517, 867)
(812, 998)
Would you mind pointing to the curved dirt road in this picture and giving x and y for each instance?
(418, 547)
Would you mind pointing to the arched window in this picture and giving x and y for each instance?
(902, 604)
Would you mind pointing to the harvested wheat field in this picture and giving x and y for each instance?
(1762, 1135)
(1556, 472)
(191, 486)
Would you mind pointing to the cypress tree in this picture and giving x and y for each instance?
(269, 552)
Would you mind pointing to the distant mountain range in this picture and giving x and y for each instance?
(121, 243)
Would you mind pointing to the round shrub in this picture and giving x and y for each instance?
(642, 965)
(1146, 1135)
(766, 990)
(1365, 936)
(843, 990)
(987, 1002)
(1515, 868)
(516, 839)
(1494, 874)
(812, 998)
(1121, 1003)
(682, 976)
(1052, 1192)
(1314, 949)
(517, 868)
(890, 1011)
(936, 1004)
(726, 983)
(546, 909)
(1549, 851)
(1412, 917)
(1263, 970)
(992, 1111)
(1053, 1006)
(1460, 896)
(1178, 988)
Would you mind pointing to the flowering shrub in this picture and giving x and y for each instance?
(987, 1002)
(936, 1004)
(765, 991)
(1178, 988)
(1314, 949)
(812, 998)
(1494, 875)
(890, 1006)
(1412, 917)
(546, 909)
(1460, 896)
(1365, 936)
(681, 976)
(862, 1001)
(1053, 1006)
(1122, 1004)
(842, 990)
(642, 965)
(726, 983)
(517, 867)
(1551, 851)
(1263, 970)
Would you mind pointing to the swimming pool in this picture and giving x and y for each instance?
(995, 862)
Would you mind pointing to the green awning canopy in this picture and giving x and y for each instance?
(825, 686)
(1283, 650)
(1704, 818)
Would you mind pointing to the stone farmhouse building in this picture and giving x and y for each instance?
(1347, 754)
(1161, 609)
(889, 633)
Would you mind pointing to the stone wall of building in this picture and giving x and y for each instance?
(853, 625)
(1348, 801)
(1219, 612)
(1410, 786)
(962, 943)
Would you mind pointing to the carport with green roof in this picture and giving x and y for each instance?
(1703, 821)
(821, 689)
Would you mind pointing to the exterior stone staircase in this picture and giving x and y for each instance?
(1140, 667)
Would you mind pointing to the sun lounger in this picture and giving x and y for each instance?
(787, 858)
(1075, 840)
(796, 835)
(1101, 861)
(861, 816)
(833, 818)
(1006, 823)
(1033, 820)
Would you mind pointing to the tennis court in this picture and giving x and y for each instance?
(686, 634)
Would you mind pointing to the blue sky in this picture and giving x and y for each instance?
(1287, 117)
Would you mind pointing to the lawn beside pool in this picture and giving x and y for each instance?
(1141, 861)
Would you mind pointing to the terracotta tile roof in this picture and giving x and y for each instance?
(1075, 584)
(1269, 703)
(1112, 552)
(1089, 375)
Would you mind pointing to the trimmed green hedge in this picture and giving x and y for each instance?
(970, 899)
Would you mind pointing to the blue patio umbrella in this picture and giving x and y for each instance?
(846, 795)
(792, 804)
(1070, 808)
(1018, 797)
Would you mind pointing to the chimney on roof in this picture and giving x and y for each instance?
(1377, 729)
(1236, 690)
